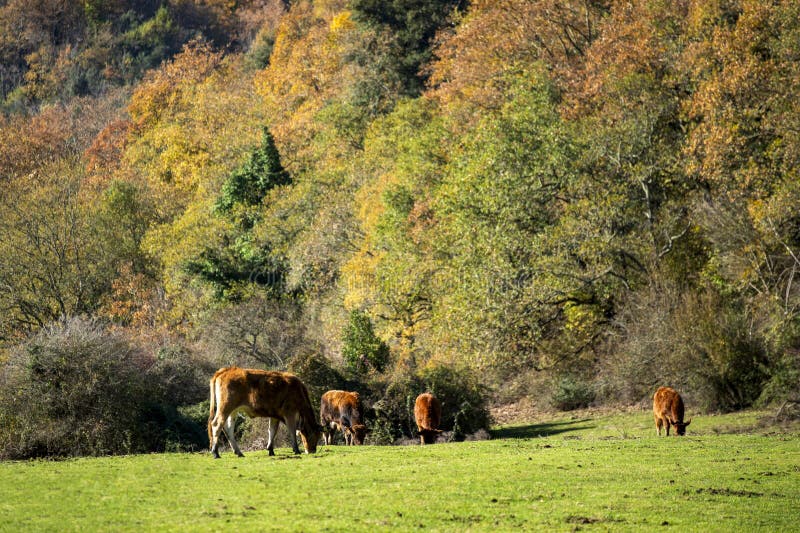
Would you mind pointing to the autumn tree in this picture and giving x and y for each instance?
(52, 264)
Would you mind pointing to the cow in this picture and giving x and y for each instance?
(342, 410)
(428, 414)
(668, 410)
(279, 396)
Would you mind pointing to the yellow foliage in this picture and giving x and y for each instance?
(342, 22)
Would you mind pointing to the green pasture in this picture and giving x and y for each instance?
(590, 473)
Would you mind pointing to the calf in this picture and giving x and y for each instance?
(342, 410)
(279, 396)
(428, 414)
(668, 410)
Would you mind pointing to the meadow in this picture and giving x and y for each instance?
(585, 472)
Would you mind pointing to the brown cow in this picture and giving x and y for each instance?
(668, 410)
(279, 396)
(428, 414)
(342, 410)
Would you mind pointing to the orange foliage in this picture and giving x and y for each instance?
(498, 37)
(56, 132)
(134, 300)
(106, 151)
(732, 103)
(637, 38)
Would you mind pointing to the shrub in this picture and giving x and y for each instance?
(362, 349)
(393, 407)
(317, 374)
(698, 341)
(77, 388)
(572, 393)
(73, 390)
(463, 397)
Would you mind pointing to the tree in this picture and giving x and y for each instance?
(52, 263)
(414, 25)
(498, 38)
(361, 349)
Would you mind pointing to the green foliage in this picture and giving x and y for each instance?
(393, 405)
(147, 44)
(414, 25)
(463, 396)
(242, 261)
(52, 259)
(249, 184)
(317, 374)
(594, 188)
(572, 393)
(362, 350)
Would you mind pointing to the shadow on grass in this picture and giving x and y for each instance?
(541, 430)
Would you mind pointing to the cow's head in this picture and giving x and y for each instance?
(429, 436)
(680, 427)
(359, 432)
(310, 433)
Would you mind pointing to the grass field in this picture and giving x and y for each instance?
(589, 473)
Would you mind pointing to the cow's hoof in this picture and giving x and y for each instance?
(271, 453)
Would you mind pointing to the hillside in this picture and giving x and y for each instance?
(567, 204)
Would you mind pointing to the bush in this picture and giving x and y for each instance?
(317, 374)
(362, 349)
(79, 389)
(698, 341)
(463, 398)
(393, 407)
(572, 393)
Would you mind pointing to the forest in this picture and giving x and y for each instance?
(571, 202)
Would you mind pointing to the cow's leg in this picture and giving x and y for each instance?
(217, 425)
(215, 429)
(272, 431)
(667, 424)
(291, 425)
(230, 425)
(659, 423)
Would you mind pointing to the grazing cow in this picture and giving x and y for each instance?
(279, 396)
(341, 410)
(668, 410)
(428, 414)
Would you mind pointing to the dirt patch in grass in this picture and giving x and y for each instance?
(526, 411)
(726, 492)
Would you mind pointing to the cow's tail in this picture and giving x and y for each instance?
(212, 400)
(307, 411)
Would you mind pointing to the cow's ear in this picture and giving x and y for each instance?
(688, 422)
(439, 431)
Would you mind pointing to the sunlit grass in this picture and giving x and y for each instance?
(604, 472)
